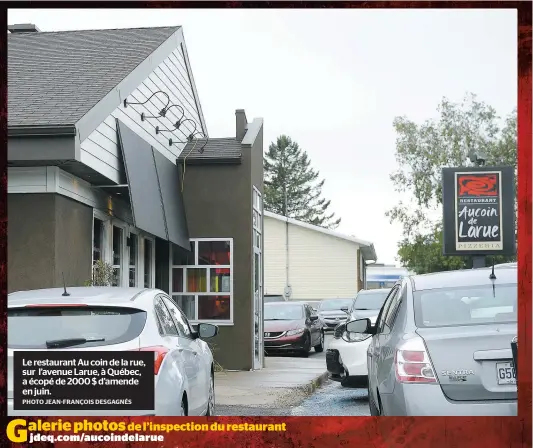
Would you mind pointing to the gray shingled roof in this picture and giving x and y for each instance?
(216, 149)
(55, 78)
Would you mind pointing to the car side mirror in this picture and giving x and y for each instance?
(206, 331)
(360, 326)
(345, 309)
(313, 318)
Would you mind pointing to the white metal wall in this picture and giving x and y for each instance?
(320, 266)
(100, 150)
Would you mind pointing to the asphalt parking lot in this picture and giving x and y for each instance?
(331, 399)
(335, 400)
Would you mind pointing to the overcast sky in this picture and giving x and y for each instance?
(333, 80)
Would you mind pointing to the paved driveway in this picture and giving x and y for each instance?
(259, 393)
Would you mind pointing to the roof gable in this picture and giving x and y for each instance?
(55, 78)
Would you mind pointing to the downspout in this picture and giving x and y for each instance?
(287, 291)
(287, 253)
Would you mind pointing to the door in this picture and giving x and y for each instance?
(312, 325)
(309, 325)
(199, 386)
(374, 349)
(317, 326)
(258, 311)
(171, 339)
(389, 337)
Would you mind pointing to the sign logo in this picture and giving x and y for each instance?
(478, 211)
(479, 185)
(16, 431)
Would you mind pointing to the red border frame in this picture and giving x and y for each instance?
(377, 432)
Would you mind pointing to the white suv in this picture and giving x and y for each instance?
(346, 357)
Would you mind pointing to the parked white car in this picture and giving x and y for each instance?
(346, 357)
(118, 319)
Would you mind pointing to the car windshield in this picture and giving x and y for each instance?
(283, 312)
(370, 300)
(335, 304)
(31, 328)
(466, 306)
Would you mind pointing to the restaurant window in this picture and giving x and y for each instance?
(117, 246)
(133, 249)
(98, 240)
(201, 280)
(132, 258)
(148, 262)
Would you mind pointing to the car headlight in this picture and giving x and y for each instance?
(354, 337)
(295, 332)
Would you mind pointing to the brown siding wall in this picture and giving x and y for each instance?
(218, 204)
(48, 235)
(73, 245)
(30, 241)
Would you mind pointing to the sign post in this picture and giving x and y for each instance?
(514, 349)
(478, 212)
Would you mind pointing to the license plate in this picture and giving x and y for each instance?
(505, 373)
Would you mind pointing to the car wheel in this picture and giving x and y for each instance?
(211, 398)
(183, 408)
(374, 411)
(320, 347)
(307, 346)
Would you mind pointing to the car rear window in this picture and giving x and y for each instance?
(370, 300)
(283, 312)
(269, 299)
(466, 306)
(334, 304)
(30, 328)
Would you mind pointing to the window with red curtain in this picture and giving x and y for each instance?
(213, 253)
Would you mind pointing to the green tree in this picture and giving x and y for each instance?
(422, 150)
(292, 186)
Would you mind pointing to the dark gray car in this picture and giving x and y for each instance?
(331, 313)
(441, 345)
(368, 303)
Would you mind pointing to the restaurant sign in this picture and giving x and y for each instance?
(478, 208)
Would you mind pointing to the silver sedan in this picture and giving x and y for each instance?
(117, 319)
(442, 345)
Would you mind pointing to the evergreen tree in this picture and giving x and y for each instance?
(292, 187)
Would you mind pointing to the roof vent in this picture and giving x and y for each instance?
(23, 28)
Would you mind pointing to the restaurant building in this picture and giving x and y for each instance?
(109, 158)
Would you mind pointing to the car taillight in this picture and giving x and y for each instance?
(159, 355)
(413, 364)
